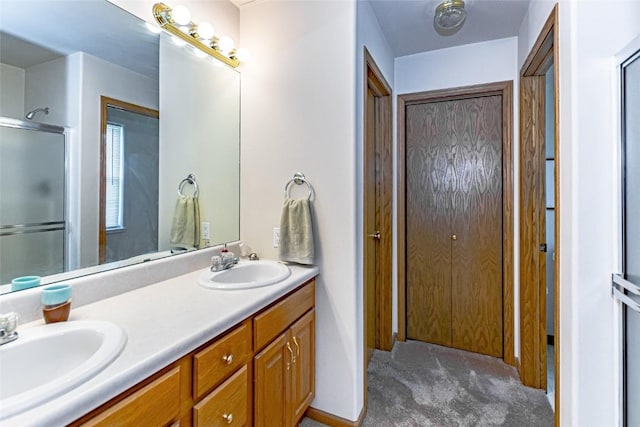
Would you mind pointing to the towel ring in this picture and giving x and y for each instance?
(298, 179)
(190, 179)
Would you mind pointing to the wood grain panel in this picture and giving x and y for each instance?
(214, 363)
(271, 391)
(303, 386)
(532, 224)
(158, 403)
(428, 222)
(505, 89)
(371, 214)
(384, 148)
(476, 207)
(227, 405)
(274, 320)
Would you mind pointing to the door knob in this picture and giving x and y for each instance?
(375, 235)
(454, 237)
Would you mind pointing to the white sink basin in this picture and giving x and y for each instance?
(47, 361)
(245, 275)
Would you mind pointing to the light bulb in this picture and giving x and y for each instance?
(181, 15)
(206, 31)
(153, 28)
(243, 55)
(225, 44)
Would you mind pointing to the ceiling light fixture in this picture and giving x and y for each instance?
(450, 14)
(177, 21)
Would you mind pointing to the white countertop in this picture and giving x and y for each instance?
(163, 322)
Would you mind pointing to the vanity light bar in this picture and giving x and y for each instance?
(162, 14)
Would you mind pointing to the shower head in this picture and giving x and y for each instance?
(30, 114)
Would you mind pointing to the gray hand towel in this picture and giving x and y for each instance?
(296, 232)
(185, 228)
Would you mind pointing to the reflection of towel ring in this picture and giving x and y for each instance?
(299, 179)
(190, 179)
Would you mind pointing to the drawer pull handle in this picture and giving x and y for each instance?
(295, 341)
(293, 357)
(228, 418)
(228, 359)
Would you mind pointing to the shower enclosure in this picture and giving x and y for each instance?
(33, 224)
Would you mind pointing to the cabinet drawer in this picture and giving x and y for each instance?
(158, 403)
(274, 320)
(225, 406)
(218, 360)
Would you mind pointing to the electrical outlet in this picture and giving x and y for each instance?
(206, 230)
(276, 237)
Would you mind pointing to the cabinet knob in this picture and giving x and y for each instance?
(228, 418)
(228, 358)
(375, 236)
(454, 237)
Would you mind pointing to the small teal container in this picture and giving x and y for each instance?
(25, 282)
(53, 295)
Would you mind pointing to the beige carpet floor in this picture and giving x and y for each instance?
(420, 384)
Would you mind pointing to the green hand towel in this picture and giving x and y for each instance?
(296, 232)
(185, 228)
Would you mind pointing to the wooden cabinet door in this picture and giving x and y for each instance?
(272, 370)
(303, 378)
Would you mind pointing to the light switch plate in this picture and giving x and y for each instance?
(276, 237)
(205, 230)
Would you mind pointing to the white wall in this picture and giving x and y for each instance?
(12, 84)
(369, 35)
(471, 64)
(298, 114)
(46, 86)
(92, 77)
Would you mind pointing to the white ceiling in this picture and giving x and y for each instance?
(408, 24)
(63, 27)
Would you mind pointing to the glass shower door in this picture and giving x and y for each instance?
(32, 199)
(626, 287)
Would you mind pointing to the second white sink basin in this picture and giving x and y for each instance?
(47, 361)
(245, 275)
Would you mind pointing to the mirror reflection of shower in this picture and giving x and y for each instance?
(32, 113)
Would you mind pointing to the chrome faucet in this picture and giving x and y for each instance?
(223, 261)
(8, 325)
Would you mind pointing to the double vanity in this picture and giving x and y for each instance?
(194, 354)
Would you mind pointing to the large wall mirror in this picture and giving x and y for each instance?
(117, 145)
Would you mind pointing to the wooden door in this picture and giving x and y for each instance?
(476, 198)
(371, 221)
(377, 212)
(303, 376)
(272, 367)
(428, 219)
(533, 345)
(454, 223)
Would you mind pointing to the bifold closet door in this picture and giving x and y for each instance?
(477, 224)
(428, 221)
(454, 223)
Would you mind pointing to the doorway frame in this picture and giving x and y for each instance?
(374, 80)
(504, 89)
(533, 347)
(106, 102)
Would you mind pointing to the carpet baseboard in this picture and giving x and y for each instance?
(333, 420)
